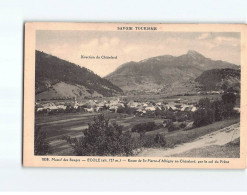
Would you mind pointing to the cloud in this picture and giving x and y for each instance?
(136, 47)
(203, 36)
(227, 41)
(210, 44)
(99, 45)
(218, 41)
(130, 49)
(114, 41)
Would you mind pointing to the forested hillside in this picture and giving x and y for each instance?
(220, 79)
(50, 70)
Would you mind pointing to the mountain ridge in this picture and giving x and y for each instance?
(55, 77)
(220, 79)
(163, 72)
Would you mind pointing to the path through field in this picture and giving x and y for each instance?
(220, 137)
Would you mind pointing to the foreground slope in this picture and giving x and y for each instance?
(217, 139)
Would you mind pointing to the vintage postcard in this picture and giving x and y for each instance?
(128, 95)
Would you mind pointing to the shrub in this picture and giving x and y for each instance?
(167, 122)
(150, 141)
(181, 116)
(169, 115)
(126, 110)
(144, 127)
(104, 139)
(41, 145)
(160, 139)
(147, 141)
(182, 125)
(173, 127)
(203, 117)
(121, 109)
(159, 112)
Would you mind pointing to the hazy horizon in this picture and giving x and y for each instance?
(135, 46)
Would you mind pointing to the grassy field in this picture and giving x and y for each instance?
(181, 136)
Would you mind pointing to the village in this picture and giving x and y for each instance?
(173, 115)
(121, 104)
(117, 105)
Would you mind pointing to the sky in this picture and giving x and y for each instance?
(134, 46)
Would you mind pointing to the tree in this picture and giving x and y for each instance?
(41, 145)
(160, 139)
(158, 112)
(219, 110)
(170, 115)
(172, 127)
(104, 139)
(203, 117)
(121, 109)
(204, 103)
(229, 101)
(210, 111)
(144, 127)
(181, 116)
(225, 85)
(229, 98)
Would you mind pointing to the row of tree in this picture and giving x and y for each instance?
(211, 111)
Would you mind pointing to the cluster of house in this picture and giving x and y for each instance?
(211, 92)
(48, 106)
(116, 104)
(89, 106)
(144, 107)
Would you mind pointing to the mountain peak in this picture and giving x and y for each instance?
(193, 52)
(165, 74)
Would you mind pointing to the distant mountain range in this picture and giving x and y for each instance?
(189, 73)
(166, 74)
(59, 79)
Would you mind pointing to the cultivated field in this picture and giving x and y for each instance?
(73, 125)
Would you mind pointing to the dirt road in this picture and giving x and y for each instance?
(220, 137)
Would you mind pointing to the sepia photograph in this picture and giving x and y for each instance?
(123, 96)
(137, 92)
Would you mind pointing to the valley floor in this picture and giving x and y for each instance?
(220, 139)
